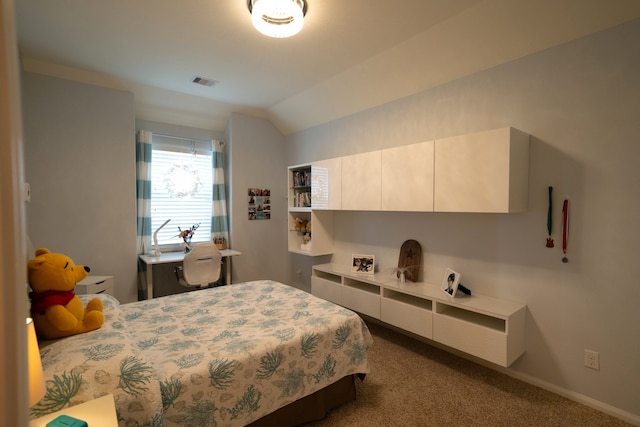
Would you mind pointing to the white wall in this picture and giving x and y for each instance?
(580, 102)
(79, 144)
(255, 153)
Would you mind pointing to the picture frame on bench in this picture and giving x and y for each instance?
(450, 282)
(363, 264)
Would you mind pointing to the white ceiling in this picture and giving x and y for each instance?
(350, 56)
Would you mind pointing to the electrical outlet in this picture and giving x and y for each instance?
(592, 359)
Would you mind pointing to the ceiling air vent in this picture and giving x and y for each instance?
(204, 81)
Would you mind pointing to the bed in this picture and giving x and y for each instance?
(251, 353)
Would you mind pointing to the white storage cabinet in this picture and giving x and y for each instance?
(95, 285)
(489, 328)
(482, 172)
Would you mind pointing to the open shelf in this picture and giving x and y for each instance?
(472, 317)
(424, 304)
(363, 286)
(318, 239)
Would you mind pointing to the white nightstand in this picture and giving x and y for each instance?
(100, 412)
(95, 285)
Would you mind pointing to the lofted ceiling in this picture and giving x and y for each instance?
(351, 55)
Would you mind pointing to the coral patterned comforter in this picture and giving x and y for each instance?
(223, 356)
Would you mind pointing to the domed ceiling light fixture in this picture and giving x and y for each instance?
(278, 18)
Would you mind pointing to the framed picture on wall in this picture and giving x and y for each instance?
(363, 263)
(259, 203)
(450, 282)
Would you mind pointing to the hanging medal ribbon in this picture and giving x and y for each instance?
(565, 228)
(549, 219)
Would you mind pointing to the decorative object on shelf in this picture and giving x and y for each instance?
(220, 242)
(301, 224)
(409, 261)
(464, 289)
(278, 18)
(565, 229)
(450, 282)
(186, 236)
(549, 219)
(259, 203)
(303, 227)
(363, 263)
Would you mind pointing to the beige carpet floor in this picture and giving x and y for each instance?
(414, 384)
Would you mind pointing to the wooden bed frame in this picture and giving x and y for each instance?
(313, 407)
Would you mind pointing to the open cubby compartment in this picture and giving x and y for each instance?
(327, 276)
(422, 303)
(299, 186)
(473, 317)
(295, 237)
(363, 286)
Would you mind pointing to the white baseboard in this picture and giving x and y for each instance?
(576, 397)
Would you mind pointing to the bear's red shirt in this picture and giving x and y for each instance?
(40, 301)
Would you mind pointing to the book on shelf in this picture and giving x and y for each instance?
(301, 178)
(302, 200)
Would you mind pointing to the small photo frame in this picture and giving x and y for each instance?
(363, 263)
(450, 282)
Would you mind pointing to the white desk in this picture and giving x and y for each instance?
(164, 258)
(100, 412)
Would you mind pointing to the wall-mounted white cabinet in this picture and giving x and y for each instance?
(482, 172)
(361, 178)
(299, 183)
(489, 328)
(326, 184)
(407, 178)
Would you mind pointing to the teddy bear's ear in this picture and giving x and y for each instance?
(42, 251)
(35, 262)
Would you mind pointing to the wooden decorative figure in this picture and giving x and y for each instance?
(409, 261)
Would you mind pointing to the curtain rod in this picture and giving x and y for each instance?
(183, 138)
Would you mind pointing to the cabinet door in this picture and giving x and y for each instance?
(407, 178)
(326, 184)
(361, 174)
(482, 172)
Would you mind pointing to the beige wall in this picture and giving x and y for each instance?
(580, 103)
(79, 144)
(255, 154)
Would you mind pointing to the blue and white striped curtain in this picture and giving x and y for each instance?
(143, 191)
(219, 227)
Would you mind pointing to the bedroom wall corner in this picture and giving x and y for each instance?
(256, 159)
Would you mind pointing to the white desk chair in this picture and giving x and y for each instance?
(201, 267)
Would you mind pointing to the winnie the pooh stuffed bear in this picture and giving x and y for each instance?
(55, 308)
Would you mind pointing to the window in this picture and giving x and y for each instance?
(181, 189)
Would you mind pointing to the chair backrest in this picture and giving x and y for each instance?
(202, 265)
